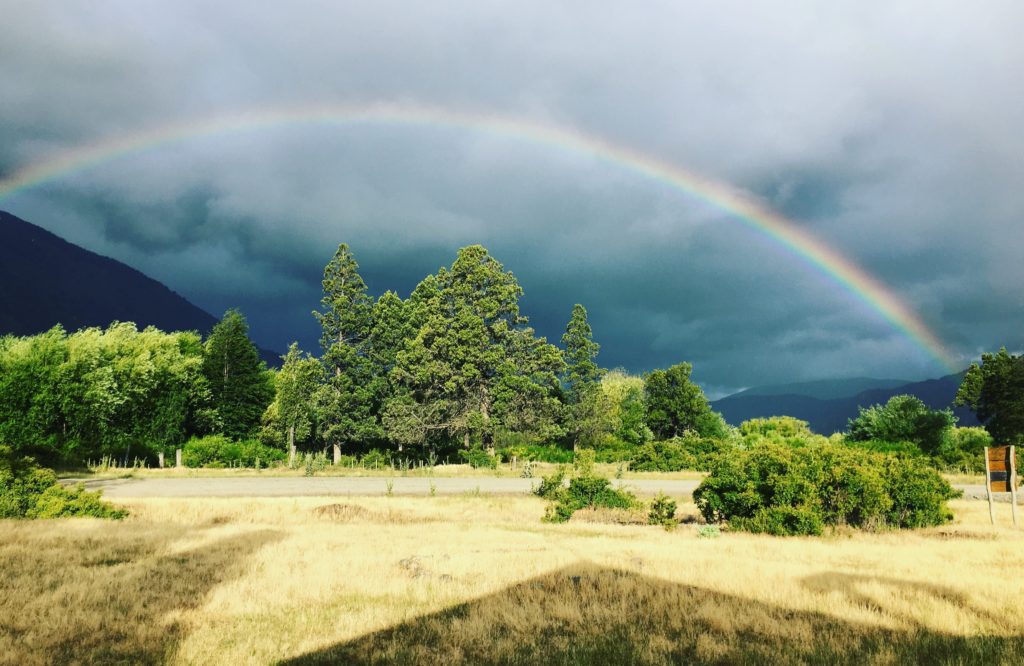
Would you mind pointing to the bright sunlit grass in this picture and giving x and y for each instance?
(437, 580)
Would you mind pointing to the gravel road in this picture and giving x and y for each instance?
(270, 486)
(344, 485)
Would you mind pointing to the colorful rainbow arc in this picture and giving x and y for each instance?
(749, 212)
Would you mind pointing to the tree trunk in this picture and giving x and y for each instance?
(291, 446)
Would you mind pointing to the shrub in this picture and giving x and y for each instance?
(775, 426)
(689, 452)
(27, 491)
(585, 491)
(480, 459)
(774, 489)
(584, 462)
(905, 418)
(550, 486)
(221, 451)
(548, 453)
(375, 459)
(663, 512)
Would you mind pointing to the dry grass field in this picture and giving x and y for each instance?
(482, 580)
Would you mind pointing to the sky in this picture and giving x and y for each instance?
(890, 132)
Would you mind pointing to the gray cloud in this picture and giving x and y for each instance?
(889, 132)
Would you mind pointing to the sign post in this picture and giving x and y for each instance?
(1001, 477)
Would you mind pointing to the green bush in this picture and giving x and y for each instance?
(375, 459)
(584, 491)
(690, 452)
(550, 486)
(779, 490)
(548, 453)
(478, 458)
(27, 491)
(220, 451)
(663, 512)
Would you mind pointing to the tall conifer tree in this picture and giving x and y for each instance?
(239, 383)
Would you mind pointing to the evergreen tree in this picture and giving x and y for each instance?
(580, 355)
(346, 399)
(584, 405)
(240, 386)
(473, 363)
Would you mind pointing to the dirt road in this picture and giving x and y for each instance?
(270, 486)
(346, 485)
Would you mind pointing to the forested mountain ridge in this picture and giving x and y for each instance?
(45, 280)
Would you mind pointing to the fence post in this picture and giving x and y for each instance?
(1013, 483)
(160, 459)
(337, 454)
(177, 457)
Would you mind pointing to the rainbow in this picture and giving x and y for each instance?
(740, 206)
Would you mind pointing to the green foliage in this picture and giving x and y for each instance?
(584, 406)
(663, 512)
(676, 405)
(292, 416)
(222, 451)
(473, 365)
(68, 398)
(691, 452)
(585, 490)
(345, 401)
(905, 418)
(240, 386)
(964, 450)
(28, 491)
(549, 453)
(376, 459)
(994, 390)
(774, 427)
(784, 491)
(550, 486)
(480, 459)
(626, 408)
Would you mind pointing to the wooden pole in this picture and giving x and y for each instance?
(1013, 483)
(988, 488)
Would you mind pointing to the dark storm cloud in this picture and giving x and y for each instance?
(889, 132)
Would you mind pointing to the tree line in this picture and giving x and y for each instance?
(454, 367)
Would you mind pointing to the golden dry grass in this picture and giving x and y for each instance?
(481, 579)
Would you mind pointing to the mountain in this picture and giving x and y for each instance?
(45, 280)
(828, 414)
(825, 389)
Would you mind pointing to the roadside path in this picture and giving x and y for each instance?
(271, 486)
(295, 486)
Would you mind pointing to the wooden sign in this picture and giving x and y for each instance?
(1001, 477)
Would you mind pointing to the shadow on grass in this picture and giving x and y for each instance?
(111, 597)
(585, 614)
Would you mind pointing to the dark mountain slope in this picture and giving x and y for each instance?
(45, 280)
(825, 389)
(831, 415)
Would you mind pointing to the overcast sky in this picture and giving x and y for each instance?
(890, 131)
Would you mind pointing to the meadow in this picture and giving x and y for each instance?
(481, 579)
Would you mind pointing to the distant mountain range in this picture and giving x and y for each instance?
(829, 404)
(45, 280)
